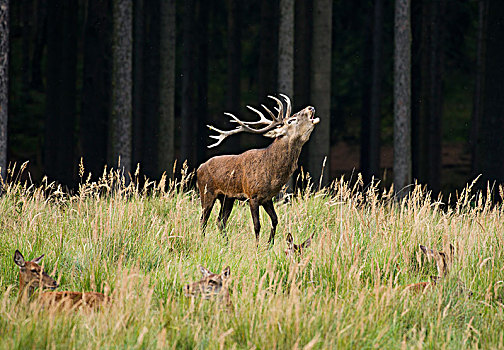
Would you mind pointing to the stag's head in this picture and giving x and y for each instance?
(31, 274)
(297, 127)
(211, 284)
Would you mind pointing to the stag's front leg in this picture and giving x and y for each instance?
(270, 210)
(254, 210)
(207, 203)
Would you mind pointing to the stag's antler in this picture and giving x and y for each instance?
(245, 126)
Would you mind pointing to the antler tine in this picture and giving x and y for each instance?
(263, 119)
(280, 107)
(269, 112)
(222, 135)
(289, 107)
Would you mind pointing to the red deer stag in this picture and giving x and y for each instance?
(32, 275)
(256, 175)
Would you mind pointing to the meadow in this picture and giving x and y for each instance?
(142, 244)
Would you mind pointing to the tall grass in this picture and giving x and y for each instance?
(142, 244)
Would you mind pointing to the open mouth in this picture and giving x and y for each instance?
(313, 119)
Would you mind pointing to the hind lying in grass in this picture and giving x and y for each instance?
(32, 275)
(211, 285)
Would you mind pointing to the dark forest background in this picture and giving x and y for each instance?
(221, 55)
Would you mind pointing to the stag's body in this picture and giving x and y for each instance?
(32, 276)
(256, 175)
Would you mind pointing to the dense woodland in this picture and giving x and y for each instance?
(99, 79)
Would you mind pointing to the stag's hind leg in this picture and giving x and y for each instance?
(270, 210)
(225, 211)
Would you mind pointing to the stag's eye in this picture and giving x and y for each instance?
(290, 121)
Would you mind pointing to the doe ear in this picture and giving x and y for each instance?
(37, 260)
(289, 239)
(19, 259)
(424, 249)
(306, 243)
(226, 272)
(204, 271)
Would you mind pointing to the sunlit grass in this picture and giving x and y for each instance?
(141, 245)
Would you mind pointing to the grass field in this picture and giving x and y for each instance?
(346, 292)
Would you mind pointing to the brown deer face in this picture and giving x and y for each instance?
(443, 260)
(297, 127)
(212, 284)
(31, 273)
(294, 250)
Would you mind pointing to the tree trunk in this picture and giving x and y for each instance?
(138, 80)
(286, 48)
(59, 159)
(479, 85)
(286, 54)
(492, 126)
(319, 144)
(370, 149)
(95, 90)
(151, 89)
(188, 121)
(166, 143)
(420, 156)
(268, 40)
(436, 96)
(233, 93)
(202, 89)
(4, 83)
(122, 46)
(302, 49)
(402, 98)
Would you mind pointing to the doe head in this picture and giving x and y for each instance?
(443, 259)
(31, 274)
(210, 285)
(296, 249)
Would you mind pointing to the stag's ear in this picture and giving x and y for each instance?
(279, 131)
(205, 272)
(19, 259)
(226, 272)
(37, 260)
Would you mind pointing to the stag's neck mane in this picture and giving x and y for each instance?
(284, 153)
